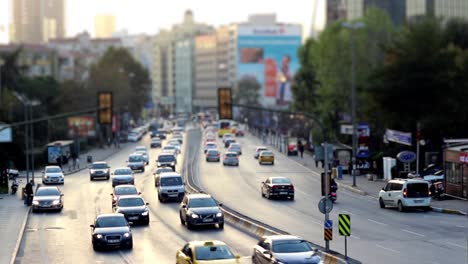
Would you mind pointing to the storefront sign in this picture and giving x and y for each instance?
(406, 156)
(398, 137)
(464, 157)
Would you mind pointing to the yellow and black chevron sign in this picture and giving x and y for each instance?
(328, 234)
(345, 224)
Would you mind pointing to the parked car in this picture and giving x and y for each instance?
(170, 186)
(231, 158)
(52, 174)
(99, 169)
(406, 193)
(111, 230)
(284, 249)
(47, 198)
(122, 176)
(133, 137)
(200, 209)
(277, 187)
(213, 155)
(124, 189)
(134, 208)
(136, 162)
(208, 251)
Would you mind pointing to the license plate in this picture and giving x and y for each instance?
(55, 180)
(208, 220)
(113, 241)
(418, 201)
(283, 193)
(173, 195)
(133, 218)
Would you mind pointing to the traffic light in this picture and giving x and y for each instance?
(105, 108)
(225, 103)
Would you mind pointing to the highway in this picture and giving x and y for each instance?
(378, 236)
(66, 237)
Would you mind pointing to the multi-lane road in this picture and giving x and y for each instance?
(378, 236)
(66, 237)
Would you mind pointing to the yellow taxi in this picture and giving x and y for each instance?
(209, 251)
(266, 157)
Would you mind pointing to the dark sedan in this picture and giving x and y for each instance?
(277, 187)
(111, 230)
(134, 208)
(279, 249)
(200, 209)
(47, 198)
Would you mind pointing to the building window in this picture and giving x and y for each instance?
(453, 173)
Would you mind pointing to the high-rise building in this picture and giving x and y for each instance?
(104, 25)
(444, 9)
(37, 21)
(164, 74)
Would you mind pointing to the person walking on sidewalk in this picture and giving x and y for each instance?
(300, 146)
(29, 193)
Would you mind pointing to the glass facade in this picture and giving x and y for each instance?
(184, 75)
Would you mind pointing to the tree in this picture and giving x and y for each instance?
(247, 91)
(118, 72)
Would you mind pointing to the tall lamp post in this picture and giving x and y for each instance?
(353, 27)
(1, 90)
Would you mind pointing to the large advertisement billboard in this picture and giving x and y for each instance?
(269, 55)
(83, 126)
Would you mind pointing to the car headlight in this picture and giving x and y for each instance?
(194, 216)
(46, 176)
(126, 234)
(219, 214)
(99, 236)
(145, 213)
(35, 202)
(55, 202)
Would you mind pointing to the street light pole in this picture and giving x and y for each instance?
(353, 28)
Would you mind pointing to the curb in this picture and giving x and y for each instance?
(448, 211)
(352, 189)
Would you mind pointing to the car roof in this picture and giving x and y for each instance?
(279, 177)
(128, 196)
(48, 188)
(407, 181)
(164, 153)
(140, 147)
(235, 145)
(281, 237)
(135, 154)
(201, 243)
(100, 162)
(124, 186)
(121, 168)
(213, 150)
(266, 151)
(231, 152)
(110, 215)
(198, 195)
(262, 147)
(49, 167)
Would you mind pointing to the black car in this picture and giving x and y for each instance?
(228, 142)
(166, 160)
(111, 230)
(99, 169)
(200, 209)
(134, 208)
(47, 198)
(161, 135)
(277, 187)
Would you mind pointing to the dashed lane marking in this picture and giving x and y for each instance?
(386, 248)
(377, 222)
(411, 232)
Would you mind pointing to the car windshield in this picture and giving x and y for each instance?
(166, 158)
(213, 153)
(213, 252)
(291, 246)
(159, 171)
(128, 202)
(169, 147)
(140, 149)
(231, 155)
(201, 202)
(134, 158)
(47, 192)
(142, 152)
(155, 140)
(133, 134)
(261, 149)
(53, 170)
(123, 172)
(111, 221)
(267, 154)
(125, 190)
(99, 166)
(171, 181)
(280, 180)
(416, 190)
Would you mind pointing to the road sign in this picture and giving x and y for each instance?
(105, 105)
(328, 234)
(325, 205)
(328, 224)
(345, 224)
(225, 103)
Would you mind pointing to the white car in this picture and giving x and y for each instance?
(406, 193)
(170, 148)
(175, 143)
(132, 137)
(228, 136)
(52, 174)
(144, 152)
(122, 176)
(210, 145)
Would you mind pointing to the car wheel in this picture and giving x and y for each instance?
(107, 178)
(181, 219)
(95, 247)
(260, 163)
(427, 209)
(401, 208)
(147, 221)
(272, 163)
(267, 195)
(143, 170)
(206, 159)
(263, 195)
(382, 204)
(91, 178)
(221, 225)
(189, 225)
(130, 245)
(291, 197)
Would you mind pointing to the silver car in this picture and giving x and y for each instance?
(144, 152)
(284, 249)
(170, 185)
(52, 174)
(231, 158)
(122, 176)
(235, 147)
(136, 162)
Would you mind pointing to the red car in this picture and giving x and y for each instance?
(240, 133)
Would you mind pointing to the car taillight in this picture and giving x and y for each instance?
(224, 156)
(275, 187)
(237, 157)
(404, 193)
(291, 187)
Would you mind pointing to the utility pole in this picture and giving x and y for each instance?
(26, 140)
(418, 138)
(32, 142)
(327, 216)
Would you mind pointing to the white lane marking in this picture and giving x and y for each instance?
(347, 212)
(411, 232)
(386, 248)
(377, 222)
(355, 237)
(460, 226)
(456, 245)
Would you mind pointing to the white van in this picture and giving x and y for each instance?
(406, 193)
(170, 186)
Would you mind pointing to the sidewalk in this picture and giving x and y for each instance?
(14, 214)
(372, 188)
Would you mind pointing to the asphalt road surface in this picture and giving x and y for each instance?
(378, 235)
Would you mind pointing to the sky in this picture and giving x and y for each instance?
(148, 16)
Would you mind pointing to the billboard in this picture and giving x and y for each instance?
(269, 54)
(83, 126)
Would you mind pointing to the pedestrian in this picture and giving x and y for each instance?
(301, 148)
(74, 158)
(29, 193)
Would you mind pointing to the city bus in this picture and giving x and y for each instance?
(226, 126)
